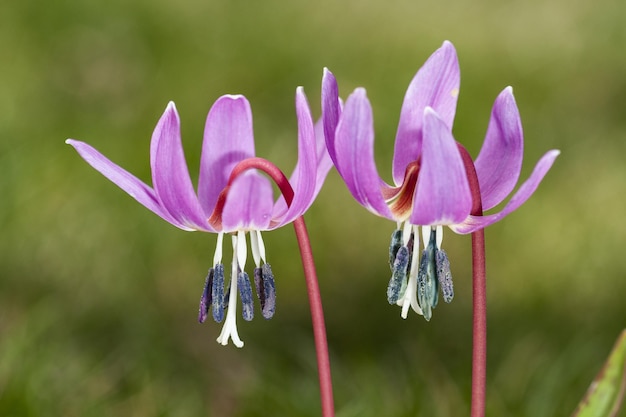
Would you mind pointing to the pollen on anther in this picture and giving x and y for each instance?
(270, 292)
(394, 246)
(427, 285)
(397, 283)
(245, 292)
(217, 293)
(444, 276)
(207, 297)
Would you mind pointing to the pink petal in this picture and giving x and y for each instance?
(228, 139)
(126, 181)
(331, 110)
(500, 160)
(473, 223)
(442, 195)
(435, 85)
(354, 147)
(323, 165)
(170, 176)
(303, 179)
(248, 203)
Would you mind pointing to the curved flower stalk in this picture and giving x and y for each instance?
(430, 183)
(245, 206)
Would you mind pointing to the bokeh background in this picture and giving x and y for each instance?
(98, 296)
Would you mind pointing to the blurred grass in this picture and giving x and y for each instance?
(98, 296)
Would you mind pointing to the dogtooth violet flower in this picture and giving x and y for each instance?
(245, 207)
(430, 183)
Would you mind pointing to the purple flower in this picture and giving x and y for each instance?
(246, 206)
(430, 184)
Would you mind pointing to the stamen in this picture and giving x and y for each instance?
(217, 257)
(261, 245)
(230, 325)
(265, 290)
(409, 299)
(269, 288)
(439, 232)
(240, 249)
(444, 276)
(410, 245)
(396, 243)
(245, 291)
(217, 293)
(397, 283)
(406, 233)
(254, 246)
(426, 233)
(206, 299)
(258, 284)
(427, 285)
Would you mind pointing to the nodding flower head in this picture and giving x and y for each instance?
(245, 206)
(431, 187)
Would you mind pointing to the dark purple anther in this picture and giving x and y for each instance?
(397, 283)
(217, 292)
(258, 284)
(206, 299)
(269, 288)
(444, 276)
(245, 291)
(394, 246)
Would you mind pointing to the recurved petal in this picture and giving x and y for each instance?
(248, 203)
(473, 223)
(354, 147)
(303, 179)
(500, 160)
(435, 85)
(324, 164)
(228, 139)
(331, 110)
(170, 176)
(442, 195)
(125, 180)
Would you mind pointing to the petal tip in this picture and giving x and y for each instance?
(233, 97)
(360, 92)
(447, 44)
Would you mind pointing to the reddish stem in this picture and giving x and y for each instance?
(479, 288)
(310, 276)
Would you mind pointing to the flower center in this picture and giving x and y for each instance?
(415, 281)
(400, 199)
(220, 301)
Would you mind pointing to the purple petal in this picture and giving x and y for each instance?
(473, 223)
(354, 146)
(435, 85)
(248, 203)
(323, 165)
(125, 180)
(500, 160)
(228, 139)
(324, 161)
(331, 110)
(442, 195)
(303, 179)
(170, 176)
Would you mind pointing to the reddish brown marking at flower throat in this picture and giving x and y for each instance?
(215, 219)
(400, 199)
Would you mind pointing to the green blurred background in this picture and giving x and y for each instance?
(98, 296)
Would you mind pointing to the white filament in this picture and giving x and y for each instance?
(230, 325)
